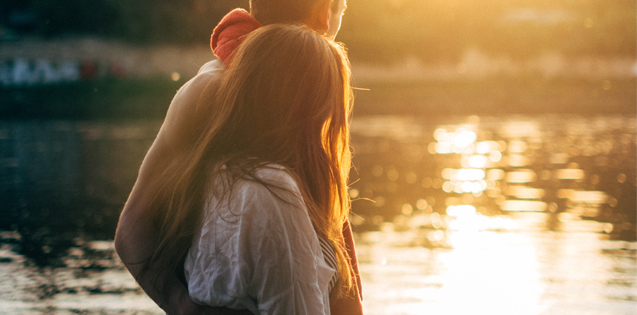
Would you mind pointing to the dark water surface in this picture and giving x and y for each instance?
(480, 215)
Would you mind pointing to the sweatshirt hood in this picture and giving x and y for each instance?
(231, 32)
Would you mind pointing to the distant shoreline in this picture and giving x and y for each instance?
(146, 61)
(92, 78)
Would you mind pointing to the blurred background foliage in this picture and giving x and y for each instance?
(163, 21)
(378, 30)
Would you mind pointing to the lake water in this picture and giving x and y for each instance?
(455, 215)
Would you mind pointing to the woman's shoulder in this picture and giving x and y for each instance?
(276, 176)
(265, 201)
(271, 181)
(266, 187)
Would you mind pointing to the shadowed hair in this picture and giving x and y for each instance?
(282, 11)
(285, 99)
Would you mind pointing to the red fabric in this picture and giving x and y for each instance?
(230, 33)
(226, 38)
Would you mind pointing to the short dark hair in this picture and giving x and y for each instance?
(282, 11)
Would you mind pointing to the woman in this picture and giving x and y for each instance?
(254, 211)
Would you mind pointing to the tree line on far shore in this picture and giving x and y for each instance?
(374, 30)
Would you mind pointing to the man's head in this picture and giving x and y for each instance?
(320, 15)
(336, 16)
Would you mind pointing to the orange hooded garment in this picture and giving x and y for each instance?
(225, 39)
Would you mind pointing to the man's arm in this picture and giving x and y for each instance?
(135, 237)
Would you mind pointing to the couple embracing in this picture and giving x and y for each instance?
(241, 204)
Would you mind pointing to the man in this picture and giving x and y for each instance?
(135, 235)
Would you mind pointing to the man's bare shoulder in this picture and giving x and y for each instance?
(195, 86)
(211, 66)
(187, 108)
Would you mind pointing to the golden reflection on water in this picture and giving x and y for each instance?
(487, 274)
(496, 266)
(485, 212)
(487, 158)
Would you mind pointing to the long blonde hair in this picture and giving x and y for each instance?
(285, 99)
